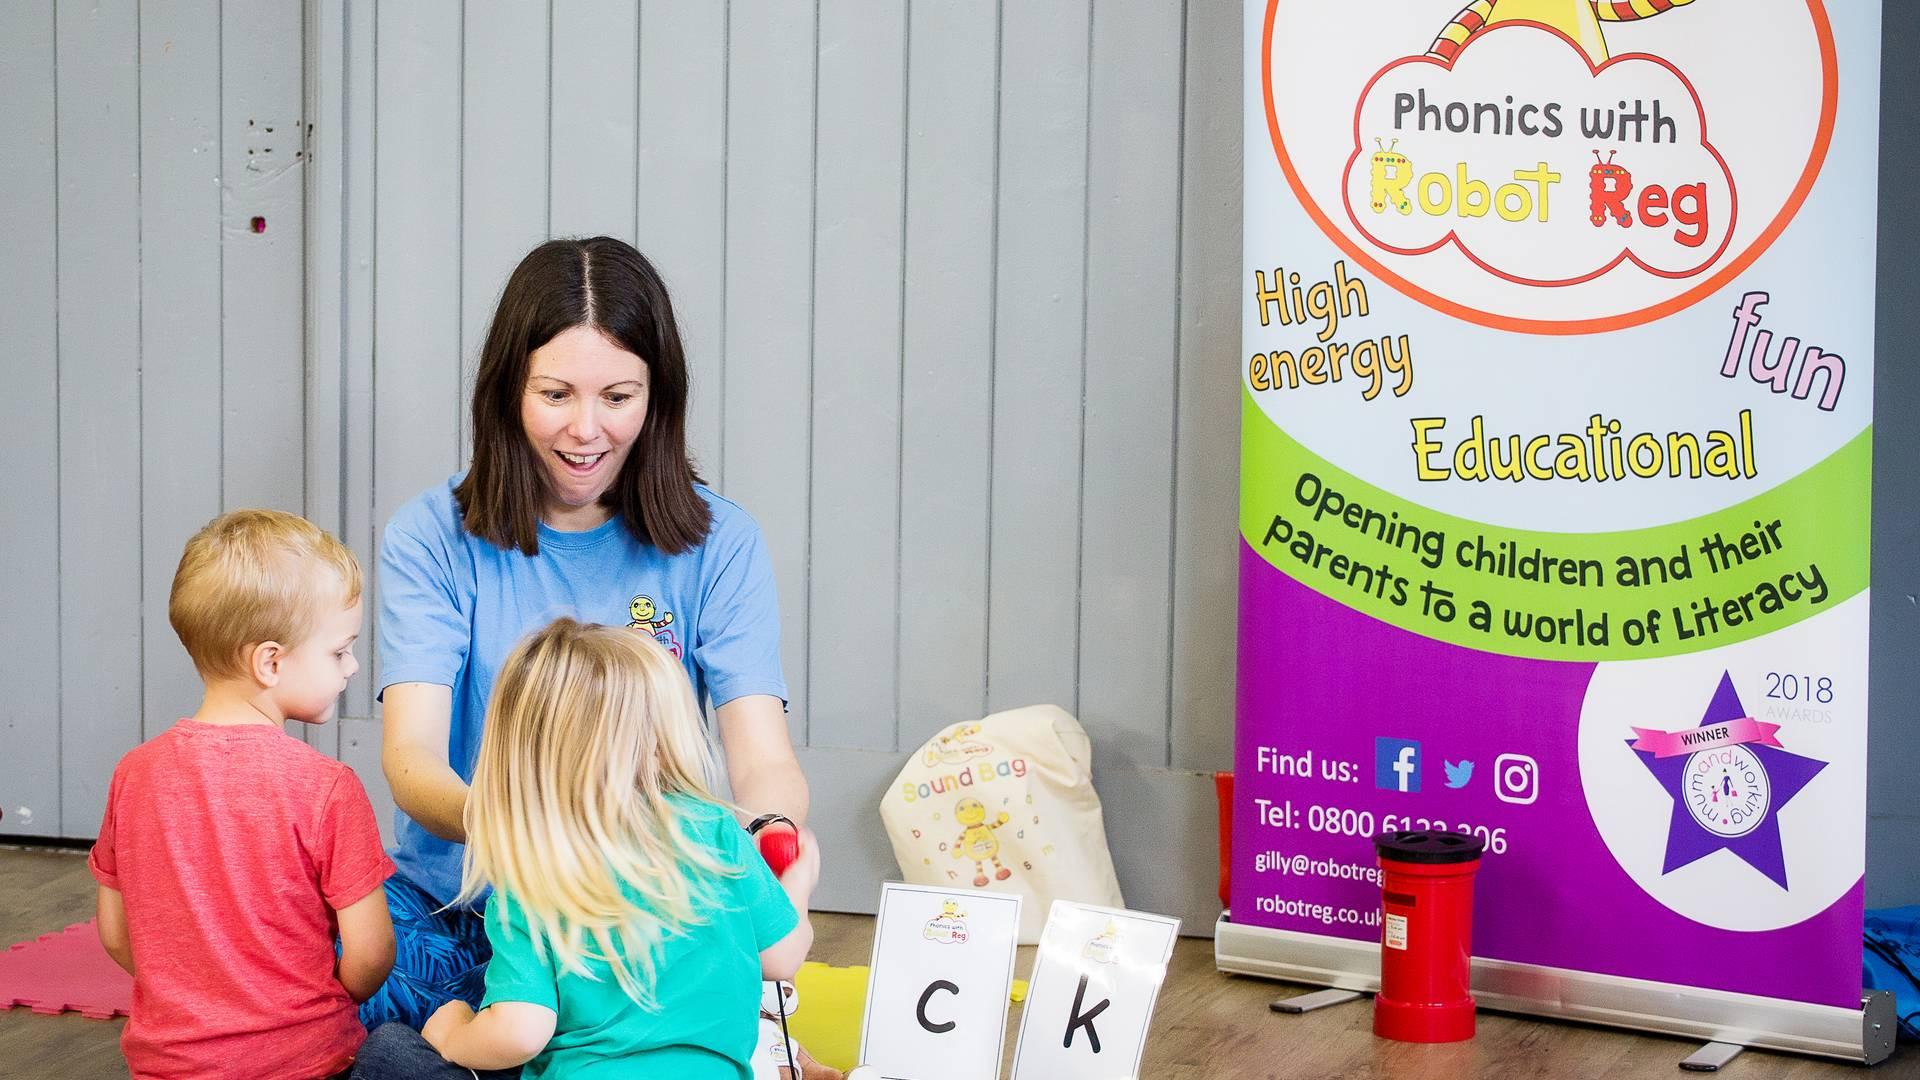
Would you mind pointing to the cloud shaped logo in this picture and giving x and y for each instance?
(1538, 166)
(1458, 774)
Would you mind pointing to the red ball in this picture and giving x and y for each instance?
(779, 845)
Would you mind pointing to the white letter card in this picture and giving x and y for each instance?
(1094, 984)
(937, 998)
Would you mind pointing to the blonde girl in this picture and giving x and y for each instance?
(632, 921)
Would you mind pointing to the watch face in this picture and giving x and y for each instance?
(1727, 790)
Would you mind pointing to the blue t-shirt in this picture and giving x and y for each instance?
(452, 606)
(705, 990)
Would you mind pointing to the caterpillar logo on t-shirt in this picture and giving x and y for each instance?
(647, 616)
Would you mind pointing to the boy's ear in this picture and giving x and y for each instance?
(263, 662)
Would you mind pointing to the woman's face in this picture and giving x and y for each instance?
(585, 403)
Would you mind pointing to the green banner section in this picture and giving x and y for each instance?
(1736, 574)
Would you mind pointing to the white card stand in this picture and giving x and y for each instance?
(1094, 984)
(937, 997)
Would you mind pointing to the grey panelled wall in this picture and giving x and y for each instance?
(153, 357)
(957, 283)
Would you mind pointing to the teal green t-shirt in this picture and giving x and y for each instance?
(706, 987)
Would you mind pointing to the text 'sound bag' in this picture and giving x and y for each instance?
(1007, 804)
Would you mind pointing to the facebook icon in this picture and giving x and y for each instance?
(1396, 764)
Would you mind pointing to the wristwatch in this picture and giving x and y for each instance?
(764, 820)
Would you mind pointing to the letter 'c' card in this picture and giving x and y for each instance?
(937, 998)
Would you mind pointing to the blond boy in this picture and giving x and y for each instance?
(231, 852)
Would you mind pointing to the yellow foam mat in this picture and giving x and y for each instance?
(832, 1002)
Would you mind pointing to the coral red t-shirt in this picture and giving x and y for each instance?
(233, 847)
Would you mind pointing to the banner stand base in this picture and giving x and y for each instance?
(1318, 999)
(1712, 1057)
(1862, 1036)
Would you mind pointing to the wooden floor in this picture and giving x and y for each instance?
(1208, 1025)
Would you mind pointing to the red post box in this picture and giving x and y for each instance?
(1426, 936)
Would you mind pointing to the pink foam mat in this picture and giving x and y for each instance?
(65, 972)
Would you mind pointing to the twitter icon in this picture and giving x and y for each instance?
(1458, 775)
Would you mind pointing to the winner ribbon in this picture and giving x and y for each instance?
(1746, 729)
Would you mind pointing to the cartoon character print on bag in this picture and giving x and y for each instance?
(977, 841)
(653, 621)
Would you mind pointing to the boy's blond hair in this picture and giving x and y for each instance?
(256, 575)
(589, 730)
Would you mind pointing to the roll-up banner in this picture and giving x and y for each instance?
(1557, 398)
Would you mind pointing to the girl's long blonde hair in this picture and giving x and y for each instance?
(589, 730)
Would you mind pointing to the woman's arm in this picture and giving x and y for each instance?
(111, 916)
(413, 754)
(761, 766)
(501, 1036)
(366, 944)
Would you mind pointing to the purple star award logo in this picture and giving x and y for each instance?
(1728, 777)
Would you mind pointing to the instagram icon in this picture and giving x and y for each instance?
(1516, 778)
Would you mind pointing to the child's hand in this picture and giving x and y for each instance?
(446, 1022)
(804, 872)
(783, 958)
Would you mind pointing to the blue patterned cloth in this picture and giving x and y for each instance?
(439, 954)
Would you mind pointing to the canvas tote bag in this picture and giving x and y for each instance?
(1005, 804)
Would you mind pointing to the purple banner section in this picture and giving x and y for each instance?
(1349, 726)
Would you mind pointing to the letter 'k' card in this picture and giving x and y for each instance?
(1092, 993)
(937, 998)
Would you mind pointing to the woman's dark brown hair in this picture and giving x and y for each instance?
(603, 283)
